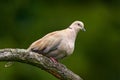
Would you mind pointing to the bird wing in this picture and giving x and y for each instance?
(48, 43)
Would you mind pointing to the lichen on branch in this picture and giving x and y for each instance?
(58, 70)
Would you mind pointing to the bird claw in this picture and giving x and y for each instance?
(54, 60)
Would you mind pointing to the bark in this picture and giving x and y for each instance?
(58, 70)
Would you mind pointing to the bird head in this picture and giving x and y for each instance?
(77, 25)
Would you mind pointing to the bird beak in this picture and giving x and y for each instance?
(83, 29)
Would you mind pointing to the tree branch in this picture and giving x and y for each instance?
(21, 55)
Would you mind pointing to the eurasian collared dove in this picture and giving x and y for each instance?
(58, 44)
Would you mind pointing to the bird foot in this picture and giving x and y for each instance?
(54, 60)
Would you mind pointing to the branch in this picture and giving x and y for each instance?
(21, 55)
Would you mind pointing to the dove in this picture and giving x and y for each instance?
(58, 44)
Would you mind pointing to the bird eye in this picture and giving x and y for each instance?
(78, 24)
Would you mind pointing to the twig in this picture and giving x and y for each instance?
(21, 55)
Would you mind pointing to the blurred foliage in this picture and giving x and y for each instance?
(97, 51)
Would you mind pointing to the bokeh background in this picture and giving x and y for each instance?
(97, 51)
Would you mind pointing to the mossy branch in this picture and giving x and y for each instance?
(21, 55)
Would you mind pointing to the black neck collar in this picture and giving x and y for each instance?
(69, 28)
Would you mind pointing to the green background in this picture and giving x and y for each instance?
(97, 51)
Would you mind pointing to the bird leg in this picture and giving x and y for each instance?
(54, 60)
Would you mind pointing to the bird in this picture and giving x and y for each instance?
(58, 44)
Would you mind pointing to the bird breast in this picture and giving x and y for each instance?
(70, 48)
(67, 46)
